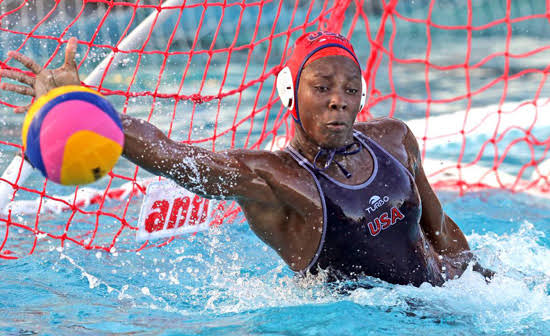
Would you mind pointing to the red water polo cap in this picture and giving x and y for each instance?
(310, 47)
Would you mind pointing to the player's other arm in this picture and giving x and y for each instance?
(439, 228)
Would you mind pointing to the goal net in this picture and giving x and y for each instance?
(468, 77)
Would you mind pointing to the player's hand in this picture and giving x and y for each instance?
(44, 79)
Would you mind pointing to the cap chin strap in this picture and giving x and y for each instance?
(329, 154)
(285, 88)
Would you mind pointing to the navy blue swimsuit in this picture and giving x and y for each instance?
(372, 228)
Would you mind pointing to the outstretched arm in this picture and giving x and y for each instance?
(219, 175)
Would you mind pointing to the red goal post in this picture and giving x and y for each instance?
(469, 77)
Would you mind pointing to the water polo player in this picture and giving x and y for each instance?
(348, 198)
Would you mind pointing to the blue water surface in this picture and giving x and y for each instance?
(226, 281)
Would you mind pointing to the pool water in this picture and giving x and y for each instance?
(226, 281)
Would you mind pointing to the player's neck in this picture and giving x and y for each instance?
(309, 147)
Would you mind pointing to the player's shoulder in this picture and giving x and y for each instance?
(383, 127)
(280, 172)
(262, 161)
(395, 137)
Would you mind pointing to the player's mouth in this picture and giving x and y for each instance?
(336, 125)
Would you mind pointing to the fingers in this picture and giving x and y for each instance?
(26, 61)
(70, 52)
(18, 76)
(24, 90)
(22, 109)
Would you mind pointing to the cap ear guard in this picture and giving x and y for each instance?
(285, 88)
(363, 93)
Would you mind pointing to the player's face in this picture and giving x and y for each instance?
(329, 95)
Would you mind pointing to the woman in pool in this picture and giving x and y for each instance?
(348, 198)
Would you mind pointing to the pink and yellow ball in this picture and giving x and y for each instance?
(73, 135)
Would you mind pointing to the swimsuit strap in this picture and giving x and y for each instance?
(375, 144)
(304, 163)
